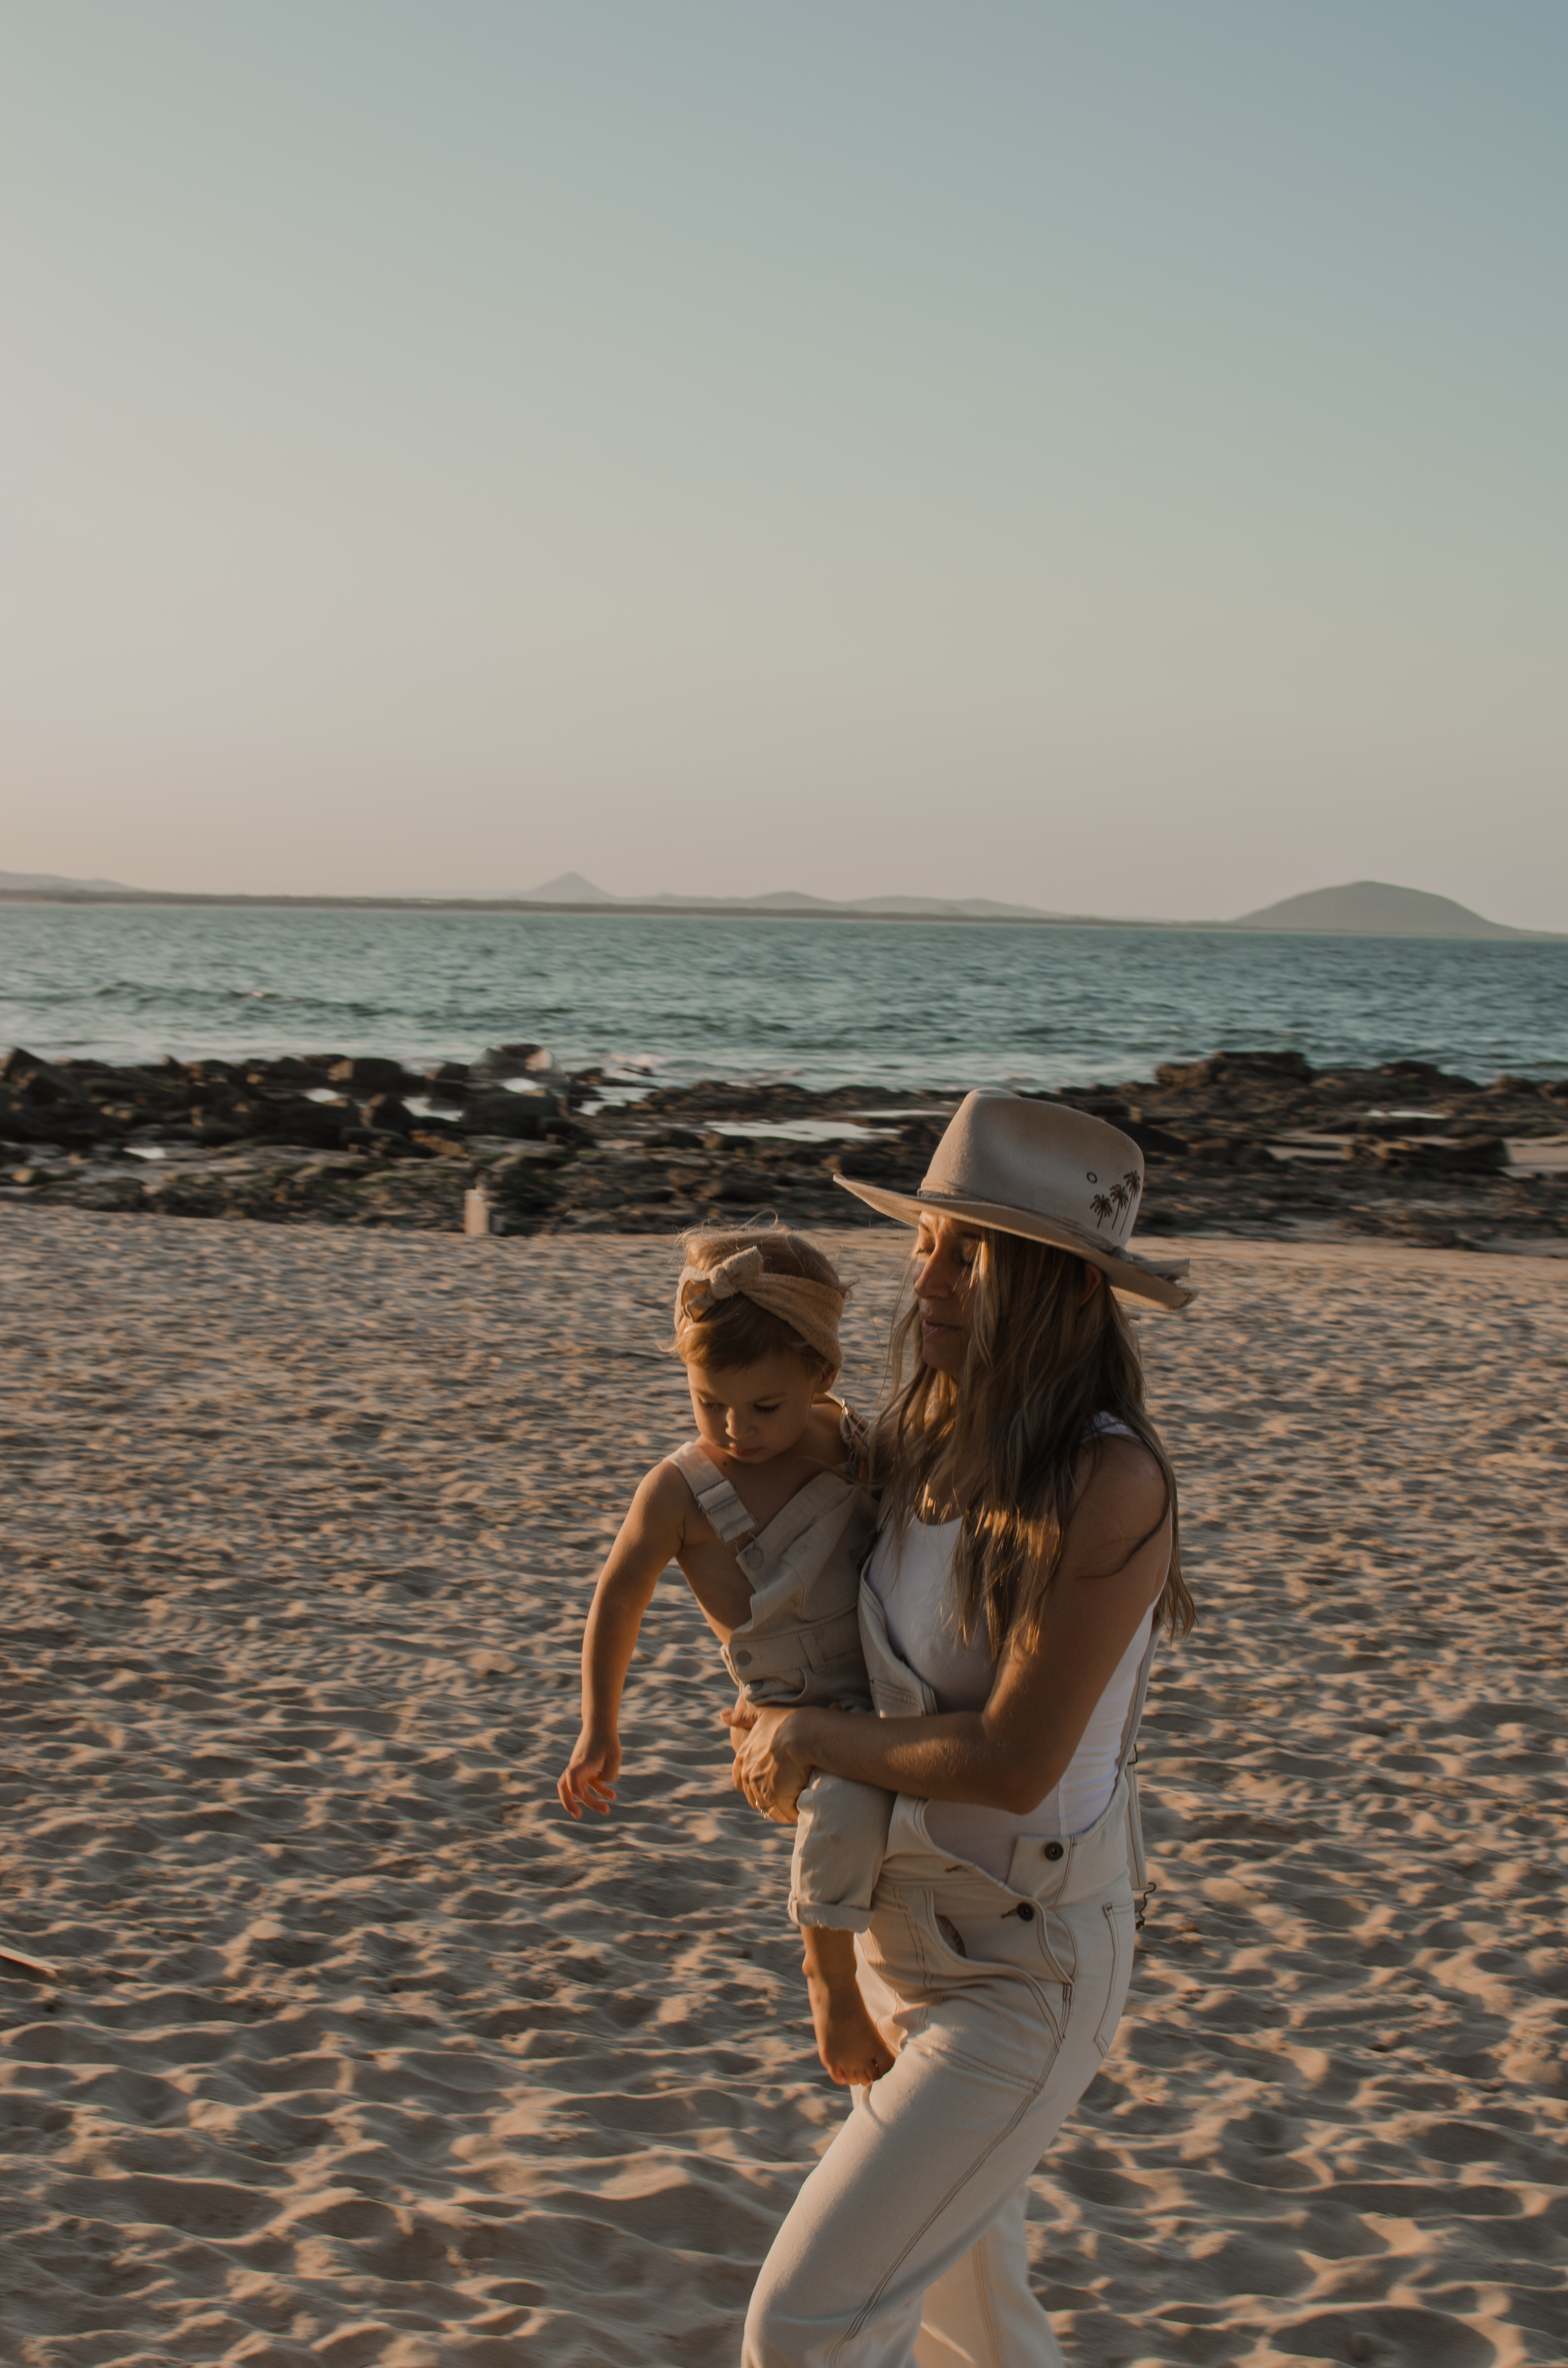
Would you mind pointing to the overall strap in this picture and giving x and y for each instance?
(715, 1497)
(1126, 1759)
(856, 1436)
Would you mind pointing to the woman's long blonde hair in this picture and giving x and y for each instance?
(1043, 1361)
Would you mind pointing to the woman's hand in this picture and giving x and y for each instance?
(768, 1768)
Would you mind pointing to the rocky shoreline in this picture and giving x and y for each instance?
(1250, 1143)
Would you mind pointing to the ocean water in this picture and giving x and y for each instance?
(822, 1003)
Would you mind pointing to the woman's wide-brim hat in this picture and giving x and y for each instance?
(1046, 1172)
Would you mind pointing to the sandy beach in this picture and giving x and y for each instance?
(360, 2053)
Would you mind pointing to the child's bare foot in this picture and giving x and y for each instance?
(853, 2051)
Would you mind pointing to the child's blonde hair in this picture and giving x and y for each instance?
(735, 1331)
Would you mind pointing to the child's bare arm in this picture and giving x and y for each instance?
(649, 1537)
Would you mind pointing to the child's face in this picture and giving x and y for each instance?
(753, 1412)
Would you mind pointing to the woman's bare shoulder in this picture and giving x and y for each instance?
(1121, 1484)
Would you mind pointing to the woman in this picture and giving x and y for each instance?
(1027, 1558)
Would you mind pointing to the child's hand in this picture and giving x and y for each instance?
(589, 1780)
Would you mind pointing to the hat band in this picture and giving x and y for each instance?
(935, 1197)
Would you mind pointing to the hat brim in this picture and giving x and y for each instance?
(1138, 1278)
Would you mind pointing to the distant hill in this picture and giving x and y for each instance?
(1372, 909)
(20, 883)
(571, 888)
(567, 888)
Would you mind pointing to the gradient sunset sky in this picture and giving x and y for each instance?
(1106, 457)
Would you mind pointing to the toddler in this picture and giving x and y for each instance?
(768, 1515)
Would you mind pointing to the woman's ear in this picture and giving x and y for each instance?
(1093, 1279)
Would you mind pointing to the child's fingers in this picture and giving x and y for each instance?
(577, 1791)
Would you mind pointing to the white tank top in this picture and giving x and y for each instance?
(913, 1592)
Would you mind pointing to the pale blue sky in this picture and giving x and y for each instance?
(1107, 456)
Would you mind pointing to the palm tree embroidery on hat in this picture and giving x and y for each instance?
(1120, 1196)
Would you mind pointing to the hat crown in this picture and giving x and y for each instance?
(1057, 1165)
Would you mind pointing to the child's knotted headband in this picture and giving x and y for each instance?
(812, 1309)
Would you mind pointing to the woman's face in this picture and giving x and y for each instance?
(946, 1253)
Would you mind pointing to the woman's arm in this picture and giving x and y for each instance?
(1009, 1754)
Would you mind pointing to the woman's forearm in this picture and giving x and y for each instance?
(954, 1756)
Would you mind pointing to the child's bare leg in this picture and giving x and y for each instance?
(853, 2050)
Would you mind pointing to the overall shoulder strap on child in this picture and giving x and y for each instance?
(854, 1434)
(717, 1500)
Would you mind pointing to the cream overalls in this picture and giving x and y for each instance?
(800, 1645)
(907, 2242)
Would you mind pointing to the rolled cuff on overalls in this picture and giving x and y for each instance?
(840, 1835)
(811, 1915)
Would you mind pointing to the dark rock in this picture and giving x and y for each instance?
(499, 1062)
(285, 1071)
(1216, 1150)
(1400, 1128)
(162, 1131)
(48, 1087)
(751, 1185)
(367, 1072)
(1153, 1141)
(523, 1117)
(1227, 1067)
(874, 1163)
(1481, 1155)
(291, 1119)
(1423, 1076)
(20, 1125)
(387, 1113)
(449, 1074)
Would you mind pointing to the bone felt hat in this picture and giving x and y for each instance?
(1051, 1174)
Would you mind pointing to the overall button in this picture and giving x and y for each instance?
(745, 1660)
(1025, 1911)
(1052, 1850)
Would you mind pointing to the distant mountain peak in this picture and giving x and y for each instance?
(1376, 909)
(568, 888)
